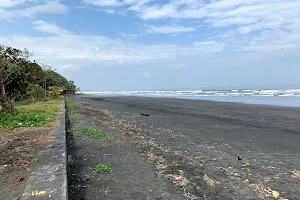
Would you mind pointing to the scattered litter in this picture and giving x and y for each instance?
(38, 193)
(275, 194)
(180, 180)
(20, 124)
(16, 198)
(295, 173)
(266, 191)
(150, 190)
(36, 140)
(145, 115)
(19, 180)
(152, 155)
(208, 180)
(239, 158)
(188, 194)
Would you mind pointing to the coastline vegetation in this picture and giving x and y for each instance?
(29, 91)
(23, 79)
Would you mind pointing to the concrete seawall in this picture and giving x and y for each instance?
(49, 181)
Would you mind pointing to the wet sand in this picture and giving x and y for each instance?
(204, 139)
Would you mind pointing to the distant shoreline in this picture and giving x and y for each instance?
(286, 102)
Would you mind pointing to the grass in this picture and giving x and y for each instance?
(30, 114)
(108, 138)
(75, 117)
(94, 133)
(71, 104)
(102, 168)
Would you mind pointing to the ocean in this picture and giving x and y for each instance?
(280, 97)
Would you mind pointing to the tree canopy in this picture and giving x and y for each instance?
(21, 78)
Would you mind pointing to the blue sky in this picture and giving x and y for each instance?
(112, 45)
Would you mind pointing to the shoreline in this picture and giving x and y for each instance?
(207, 137)
(192, 99)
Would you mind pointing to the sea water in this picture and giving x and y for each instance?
(280, 97)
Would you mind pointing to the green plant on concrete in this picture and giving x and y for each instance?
(108, 138)
(75, 117)
(102, 168)
(71, 104)
(92, 132)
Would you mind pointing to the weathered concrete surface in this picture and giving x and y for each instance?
(50, 180)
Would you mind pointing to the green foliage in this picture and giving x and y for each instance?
(30, 114)
(102, 168)
(108, 138)
(92, 132)
(21, 78)
(71, 104)
(75, 117)
(35, 92)
(24, 118)
(55, 91)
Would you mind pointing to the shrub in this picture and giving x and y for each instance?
(102, 168)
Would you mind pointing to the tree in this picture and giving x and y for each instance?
(21, 78)
(55, 91)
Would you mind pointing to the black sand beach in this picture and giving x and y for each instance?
(224, 150)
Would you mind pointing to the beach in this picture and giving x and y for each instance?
(224, 150)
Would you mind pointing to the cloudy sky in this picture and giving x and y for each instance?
(159, 44)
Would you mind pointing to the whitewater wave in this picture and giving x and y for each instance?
(199, 93)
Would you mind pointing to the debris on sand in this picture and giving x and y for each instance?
(295, 173)
(152, 156)
(19, 180)
(188, 194)
(208, 180)
(265, 191)
(275, 194)
(146, 115)
(38, 193)
(178, 180)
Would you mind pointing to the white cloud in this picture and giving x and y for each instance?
(210, 46)
(11, 3)
(64, 49)
(168, 29)
(105, 2)
(238, 22)
(49, 28)
(31, 10)
(244, 16)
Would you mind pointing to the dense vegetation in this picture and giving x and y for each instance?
(21, 78)
(30, 114)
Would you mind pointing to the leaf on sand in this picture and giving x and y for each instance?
(208, 180)
(275, 194)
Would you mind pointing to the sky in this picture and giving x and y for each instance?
(115, 45)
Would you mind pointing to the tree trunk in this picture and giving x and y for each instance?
(2, 88)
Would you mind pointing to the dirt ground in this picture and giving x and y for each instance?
(182, 149)
(20, 153)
